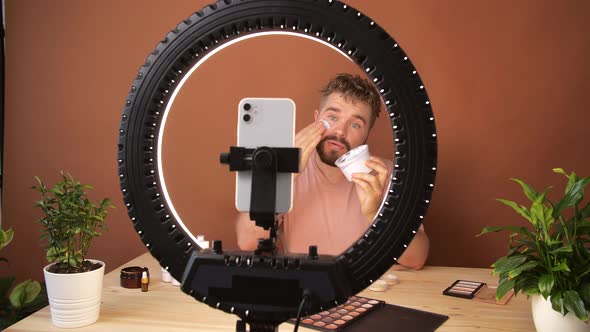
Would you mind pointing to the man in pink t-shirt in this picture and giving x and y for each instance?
(328, 210)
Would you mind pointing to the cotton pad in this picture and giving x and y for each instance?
(391, 279)
(378, 286)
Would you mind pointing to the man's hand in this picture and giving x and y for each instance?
(369, 187)
(307, 139)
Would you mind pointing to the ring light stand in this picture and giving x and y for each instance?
(330, 279)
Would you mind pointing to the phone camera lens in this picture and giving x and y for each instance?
(247, 106)
(247, 118)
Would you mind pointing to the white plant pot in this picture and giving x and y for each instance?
(548, 320)
(74, 299)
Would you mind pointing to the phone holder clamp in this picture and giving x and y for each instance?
(264, 162)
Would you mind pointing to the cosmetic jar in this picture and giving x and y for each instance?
(131, 276)
(353, 161)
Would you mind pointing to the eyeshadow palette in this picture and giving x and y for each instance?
(464, 288)
(337, 318)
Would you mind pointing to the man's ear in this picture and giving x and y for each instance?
(316, 113)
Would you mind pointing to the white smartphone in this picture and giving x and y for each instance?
(266, 122)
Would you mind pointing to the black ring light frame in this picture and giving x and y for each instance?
(331, 22)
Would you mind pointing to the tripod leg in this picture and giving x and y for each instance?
(264, 327)
(240, 326)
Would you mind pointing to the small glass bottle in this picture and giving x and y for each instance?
(144, 281)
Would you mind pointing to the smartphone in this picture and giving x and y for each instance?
(266, 122)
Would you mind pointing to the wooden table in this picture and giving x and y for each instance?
(166, 308)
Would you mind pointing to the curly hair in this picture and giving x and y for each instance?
(357, 89)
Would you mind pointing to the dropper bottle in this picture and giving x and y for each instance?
(144, 281)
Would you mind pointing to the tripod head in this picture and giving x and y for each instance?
(265, 163)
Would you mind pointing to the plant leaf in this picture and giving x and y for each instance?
(585, 293)
(530, 245)
(516, 229)
(24, 293)
(522, 268)
(537, 212)
(566, 248)
(577, 189)
(51, 253)
(527, 283)
(519, 209)
(514, 249)
(557, 303)
(546, 284)
(506, 264)
(72, 261)
(503, 288)
(571, 179)
(32, 290)
(39, 302)
(549, 216)
(561, 267)
(574, 303)
(6, 237)
(571, 197)
(528, 190)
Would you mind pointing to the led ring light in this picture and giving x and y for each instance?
(330, 22)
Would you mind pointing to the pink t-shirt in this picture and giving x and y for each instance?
(324, 214)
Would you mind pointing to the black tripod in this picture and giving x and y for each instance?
(265, 163)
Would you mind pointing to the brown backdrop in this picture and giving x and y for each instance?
(507, 81)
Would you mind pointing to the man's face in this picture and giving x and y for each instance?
(349, 126)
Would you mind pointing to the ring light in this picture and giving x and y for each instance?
(331, 23)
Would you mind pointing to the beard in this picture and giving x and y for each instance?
(330, 157)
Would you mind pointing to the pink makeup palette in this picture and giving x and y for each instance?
(341, 316)
(464, 288)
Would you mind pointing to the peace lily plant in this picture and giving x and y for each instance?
(551, 257)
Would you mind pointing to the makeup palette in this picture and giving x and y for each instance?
(464, 288)
(341, 316)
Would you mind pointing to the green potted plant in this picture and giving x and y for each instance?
(69, 223)
(24, 298)
(550, 259)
